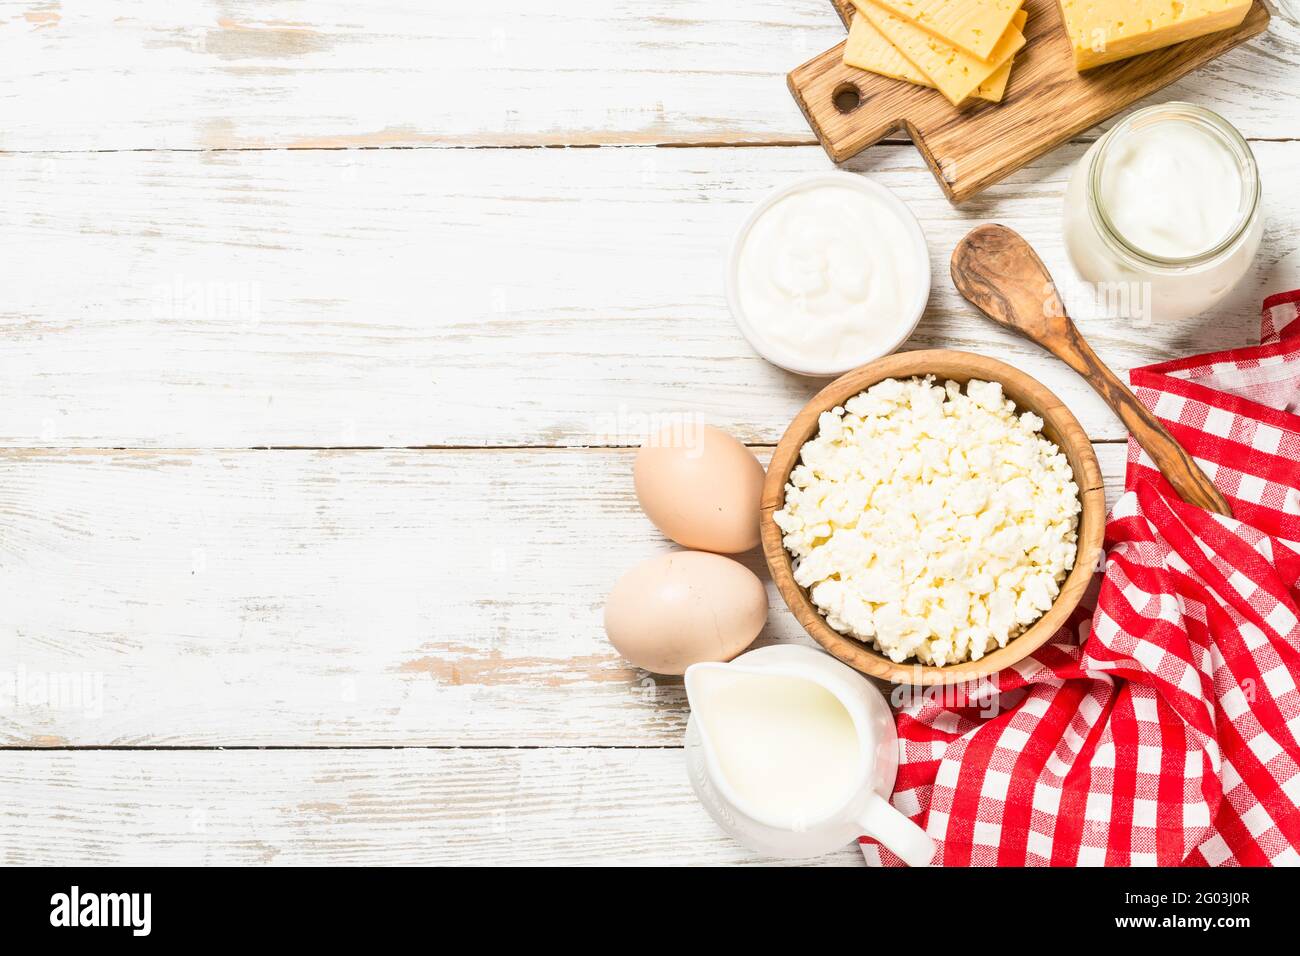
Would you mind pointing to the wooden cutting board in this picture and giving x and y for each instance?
(972, 147)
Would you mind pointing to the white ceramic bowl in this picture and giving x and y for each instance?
(904, 324)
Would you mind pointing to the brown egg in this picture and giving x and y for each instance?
(678, 609)
(700, 487)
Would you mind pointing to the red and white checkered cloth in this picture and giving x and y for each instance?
(1168, 736)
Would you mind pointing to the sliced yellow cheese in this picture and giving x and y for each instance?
(867, 49)
(971, 25)
(1102, 31)
(995, 86)
(955, 73)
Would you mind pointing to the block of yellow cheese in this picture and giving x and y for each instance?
(867, 49)
(971, 25)
(1102, 31)
(955, 73)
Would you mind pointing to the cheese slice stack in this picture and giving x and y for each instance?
(1102, 31)
(955, 72)
(867, 49)
(974, 26)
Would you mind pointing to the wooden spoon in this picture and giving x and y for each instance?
(1003, 277)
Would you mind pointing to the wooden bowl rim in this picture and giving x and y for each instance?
(944, 364)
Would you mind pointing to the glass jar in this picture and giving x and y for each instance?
(1171, 283)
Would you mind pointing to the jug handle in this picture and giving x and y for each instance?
(880, 821)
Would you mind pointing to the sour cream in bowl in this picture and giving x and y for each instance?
(827, 274)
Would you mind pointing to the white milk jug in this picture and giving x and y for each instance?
(794, 754)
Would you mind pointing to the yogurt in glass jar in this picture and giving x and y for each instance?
(1164, 209)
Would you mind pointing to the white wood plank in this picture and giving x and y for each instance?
(329, 598)
(203, 74)
(465, 297)
(359, 807)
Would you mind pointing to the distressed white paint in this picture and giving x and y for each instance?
(359, 807)
(331, 598)
(199, 74)
(465, 297)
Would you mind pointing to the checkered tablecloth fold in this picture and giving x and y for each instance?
(1161, 726)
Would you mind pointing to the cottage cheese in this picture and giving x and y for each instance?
(931, 523)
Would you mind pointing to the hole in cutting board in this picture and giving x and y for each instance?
(847, 97)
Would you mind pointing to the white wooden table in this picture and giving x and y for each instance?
(324, 346)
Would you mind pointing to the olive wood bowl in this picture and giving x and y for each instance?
(1060, 426)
